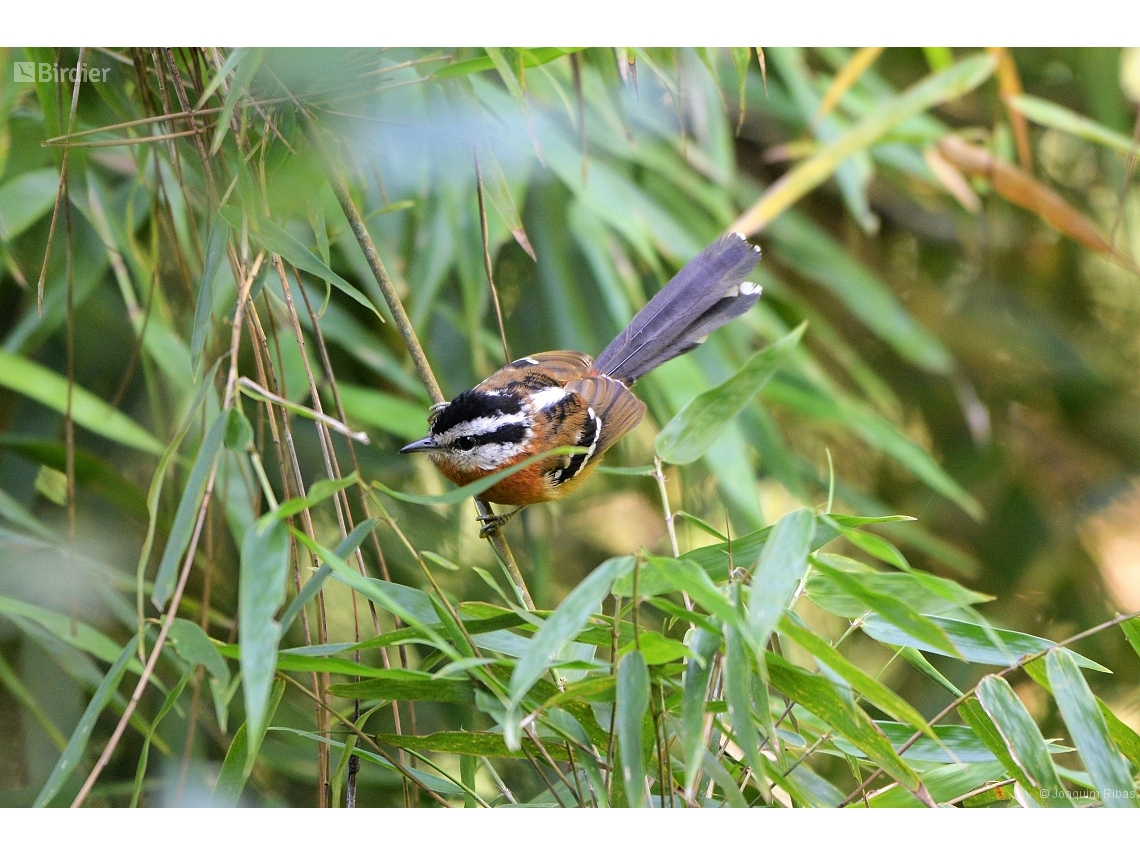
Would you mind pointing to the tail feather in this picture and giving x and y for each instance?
(707, 293)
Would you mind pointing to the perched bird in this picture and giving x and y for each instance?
(565, 398)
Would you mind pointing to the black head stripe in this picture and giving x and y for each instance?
(506, 434)
(471, 405)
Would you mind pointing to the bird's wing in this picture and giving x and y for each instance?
(619, 409)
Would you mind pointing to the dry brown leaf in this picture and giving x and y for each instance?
(953, 181)
(1026, 192)
(1009, 86)
(852, 70)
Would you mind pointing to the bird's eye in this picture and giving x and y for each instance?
(465, 443)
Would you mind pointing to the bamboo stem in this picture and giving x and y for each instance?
(419, 359)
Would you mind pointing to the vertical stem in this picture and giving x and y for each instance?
(419, 358)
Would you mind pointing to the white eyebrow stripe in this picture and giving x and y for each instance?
(481, 425)
(547, 397)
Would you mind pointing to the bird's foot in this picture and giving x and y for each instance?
(493, 522)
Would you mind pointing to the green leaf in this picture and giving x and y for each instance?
(1125, 737)
(944, 783)
(247, 60)
(261, 592)
(41, 384)
(915, 658)
(238, 762)
(317, 493)
(974, 716)
(659, 575)
(888, 608)
(699, 424)
(167, 705)
(738, 696)
(906, 588)
(741, 57)
(1063, 119)
(239, 432)
(73, 754)
(532, 57)
(870, 688)
(408, 686)
(1087, 727)
(727, 784)
(698, 672)
(1023, 741)
(975, 643)
(1131, 629)
(194, 646)
(186, 517)
(26, 198)
(783, 564)
(631, 706)
(818, 696)
(154, 493)
(657, 649)
(276, 239)
(309, 590)
(468, 744)
(745, 550)
(76, 633)
(215, 252)
(562, 626)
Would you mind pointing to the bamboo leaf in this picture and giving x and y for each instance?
(1063, 119)
(699, 424)
(782, 566)
(1023, 741)
(408, 686)
(975, 643)
(186, 516)
(261, 592)
(215, 252)
(694, 727)
(317, 580)
(1078, 707)
(77, 744)
(817, 695)
(24, 199)
(41, 384)
(238, 762)
(631, 706)
(888, 608)
(871, 689)
(562, 626)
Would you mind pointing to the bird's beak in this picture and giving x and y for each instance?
(425, 444)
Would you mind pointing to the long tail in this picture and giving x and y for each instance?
(705, 295)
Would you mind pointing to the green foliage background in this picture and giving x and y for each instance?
(296, 605)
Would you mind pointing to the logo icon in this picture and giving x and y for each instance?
(24, 72)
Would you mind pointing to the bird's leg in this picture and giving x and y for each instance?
(493, 522)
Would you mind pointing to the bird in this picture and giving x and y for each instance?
(563, 398)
